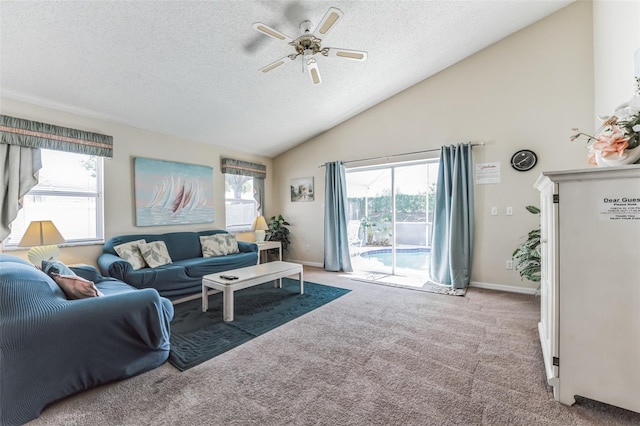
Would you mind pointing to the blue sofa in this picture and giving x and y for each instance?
(51, 347)
(182, 277)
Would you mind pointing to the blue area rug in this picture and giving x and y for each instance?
(198, 336)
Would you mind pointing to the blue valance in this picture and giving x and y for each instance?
(33, 134)
(244, 168)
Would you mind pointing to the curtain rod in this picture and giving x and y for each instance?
(399, 155)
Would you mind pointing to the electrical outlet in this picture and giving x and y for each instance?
(510, 264)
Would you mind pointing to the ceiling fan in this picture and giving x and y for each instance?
(309, 44)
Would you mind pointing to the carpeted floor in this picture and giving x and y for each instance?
(376, 356)
(198, 336)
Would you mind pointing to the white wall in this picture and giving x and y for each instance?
(616, 36)
(525, 91)
(119, 197)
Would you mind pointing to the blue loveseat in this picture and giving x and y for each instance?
(51, 347)
(182, 277)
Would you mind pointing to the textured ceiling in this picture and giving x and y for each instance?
(190, 68)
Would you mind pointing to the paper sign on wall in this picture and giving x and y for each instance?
(487, 173)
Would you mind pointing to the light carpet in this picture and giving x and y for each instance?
(376, 356)
(198, 336)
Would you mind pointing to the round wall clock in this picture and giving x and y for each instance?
(524, 160)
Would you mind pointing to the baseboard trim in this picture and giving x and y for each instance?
(487, 286)
(304, 262)
(502, 287)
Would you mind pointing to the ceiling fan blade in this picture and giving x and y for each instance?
(267, 30)
(329, 20)
(356, 55)
(275, 64)
(312, 69)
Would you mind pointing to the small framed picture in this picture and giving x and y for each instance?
(302, 189)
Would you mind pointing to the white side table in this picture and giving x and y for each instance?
(268, 245)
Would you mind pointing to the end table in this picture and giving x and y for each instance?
(268, 245)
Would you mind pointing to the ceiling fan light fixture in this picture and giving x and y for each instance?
(309, 44)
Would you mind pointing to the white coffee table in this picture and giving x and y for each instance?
(247, 277)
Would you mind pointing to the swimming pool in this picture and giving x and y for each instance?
(406, 258)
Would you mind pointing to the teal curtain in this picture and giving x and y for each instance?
(452, 244)
(336, 237)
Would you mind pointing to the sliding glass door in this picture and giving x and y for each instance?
(370, 224)
(390, 217)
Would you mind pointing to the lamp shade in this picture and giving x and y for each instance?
(259, 224)
(41, 233)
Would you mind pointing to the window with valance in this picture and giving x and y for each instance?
(29, 148)
(244, 192)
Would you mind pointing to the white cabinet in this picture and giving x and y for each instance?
(590, 287)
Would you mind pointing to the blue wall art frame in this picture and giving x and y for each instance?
(172, 193)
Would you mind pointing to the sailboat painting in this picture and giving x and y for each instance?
(171, 193)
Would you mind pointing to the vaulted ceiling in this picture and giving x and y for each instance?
(191, 68)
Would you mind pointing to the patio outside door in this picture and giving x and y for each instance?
(390, 217)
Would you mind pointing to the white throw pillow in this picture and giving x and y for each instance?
(218, 245)
(131, 253)
(155, 253)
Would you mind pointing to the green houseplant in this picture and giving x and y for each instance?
(278, 231)
(368, 225)
(527, 254)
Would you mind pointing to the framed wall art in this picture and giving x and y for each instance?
(302, 189)
(171, 193)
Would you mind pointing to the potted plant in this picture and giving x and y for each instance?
(527, 254)
(368, 225)
(278, 231)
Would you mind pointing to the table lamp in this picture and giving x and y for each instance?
(42, 236)
(259, 226)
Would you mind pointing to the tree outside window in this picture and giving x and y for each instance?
(241, 208)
